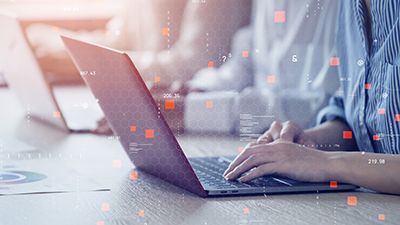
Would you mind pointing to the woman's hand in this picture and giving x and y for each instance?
(288, 131)
(103, 127)
(283, 158)
(276, 153)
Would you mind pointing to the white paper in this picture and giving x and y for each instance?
(42, 176)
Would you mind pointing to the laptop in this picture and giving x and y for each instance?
(136, 120)
(25, 78)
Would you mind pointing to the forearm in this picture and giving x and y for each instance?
(378, 172)
(329, 136)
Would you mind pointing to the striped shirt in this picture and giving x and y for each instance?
(369, 94)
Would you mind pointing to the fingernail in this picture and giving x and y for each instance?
(228, 176)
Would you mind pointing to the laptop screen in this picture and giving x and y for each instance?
(133, 114)
(23, 74)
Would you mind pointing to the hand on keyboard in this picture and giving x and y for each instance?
(283, 158)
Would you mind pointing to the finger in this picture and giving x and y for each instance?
(265, 169)
(272, 134)
(275, 130)
(265, 138)
(251, 144)
(102, 121)
(251, 162)
(241, 157)
(103, 130)
(290, 131)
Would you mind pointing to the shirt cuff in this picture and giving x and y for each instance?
(330, 113)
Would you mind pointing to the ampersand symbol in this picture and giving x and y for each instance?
(294, 58)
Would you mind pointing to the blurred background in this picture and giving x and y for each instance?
(230, 66)
(142, 27)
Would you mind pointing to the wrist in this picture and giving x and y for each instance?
(336, 169)
(309, 133)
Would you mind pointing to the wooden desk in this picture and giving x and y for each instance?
(161, 202)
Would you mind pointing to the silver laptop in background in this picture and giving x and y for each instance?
(26, 79)
(148, 140)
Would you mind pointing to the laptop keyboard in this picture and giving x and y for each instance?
(209, 171)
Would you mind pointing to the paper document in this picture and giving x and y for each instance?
(42, 176)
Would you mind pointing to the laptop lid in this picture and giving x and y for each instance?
(26, 79)
(132, 113)
(24, 76)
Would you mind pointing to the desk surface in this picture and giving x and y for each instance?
(161, 202)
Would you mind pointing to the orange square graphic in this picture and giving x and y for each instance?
(107, 32)
(376, 137)
(169, 104)
(57, 114)
(210, 65)
(279, 16)
(209, 104)
(141, 213)
(381, 216)
(158, 79)
(100, 223)
(245, 54)
(246, 210)
(105, 207)
(240, 149)
(271, 79)
(351, 200)
(397, 117)
(335, 61)
(347, 135)
(149, 133)
(381, 111)
(55, 29)
(367, 86)
(133, 128)
(133, 176)
(117, 163)
(165, 31)
(333, 184)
